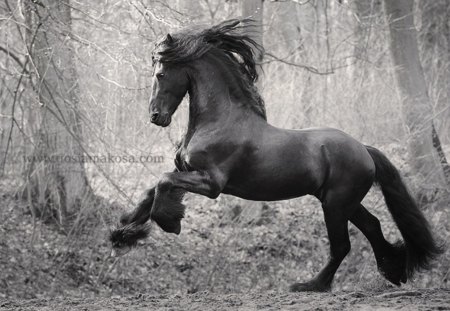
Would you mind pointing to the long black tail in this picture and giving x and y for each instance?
(419, 244)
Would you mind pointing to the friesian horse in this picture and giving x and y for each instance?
(230, 148)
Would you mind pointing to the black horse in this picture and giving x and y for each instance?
(230, 148)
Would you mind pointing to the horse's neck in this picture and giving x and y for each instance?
(210, 101)
(211, 105)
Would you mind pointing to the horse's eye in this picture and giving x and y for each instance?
(159, 75)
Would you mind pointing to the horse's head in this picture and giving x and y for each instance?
(169, 86)
(176, 67)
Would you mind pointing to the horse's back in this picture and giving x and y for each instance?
(281, 164)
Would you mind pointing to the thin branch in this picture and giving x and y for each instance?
(148, 12)
(15, 58)
(120, 85)
(306, 67)
(294, 1)
(13, 120)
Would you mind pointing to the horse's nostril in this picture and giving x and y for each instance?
(154, 116)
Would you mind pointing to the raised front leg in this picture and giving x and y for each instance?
(167, 209)
(141, 213)
(133, 227)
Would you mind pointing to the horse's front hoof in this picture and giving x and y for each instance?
(125, 219)
(170, 225)
(311, 286)
(177, 228)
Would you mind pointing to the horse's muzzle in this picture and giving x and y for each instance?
(154, 117)
(160, 119)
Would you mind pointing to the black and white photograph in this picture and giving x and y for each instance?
(224, 155)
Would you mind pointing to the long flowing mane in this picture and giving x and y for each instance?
(230, 40)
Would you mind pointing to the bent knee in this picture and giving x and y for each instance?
(165, 182)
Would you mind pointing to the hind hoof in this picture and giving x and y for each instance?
(395, 276)
(392, 266)
(312, 286)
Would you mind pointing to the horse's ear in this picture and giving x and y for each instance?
(169, 39)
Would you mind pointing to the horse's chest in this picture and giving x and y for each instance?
(200, 152)
(183, 159)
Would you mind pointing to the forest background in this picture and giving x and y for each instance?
(74, 84)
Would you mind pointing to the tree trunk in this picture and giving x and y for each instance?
(367, 13)
(434, 41)
(254, 9)
(416, 105)
(56, 177)
(289, 25)
(364, 14)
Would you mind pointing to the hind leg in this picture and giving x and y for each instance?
(390, 259)
(337, 227)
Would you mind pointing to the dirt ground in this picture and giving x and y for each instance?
(432, 299)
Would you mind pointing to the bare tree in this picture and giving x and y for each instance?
(254, 9)
(366, 13)
(416, 104)
(434, 42)
(56, 175)
(289, 24)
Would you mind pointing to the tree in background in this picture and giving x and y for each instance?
(434, 49)
(57, 183)
(367, 14)
(110, 46)
(254, 9)
(416, 104)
